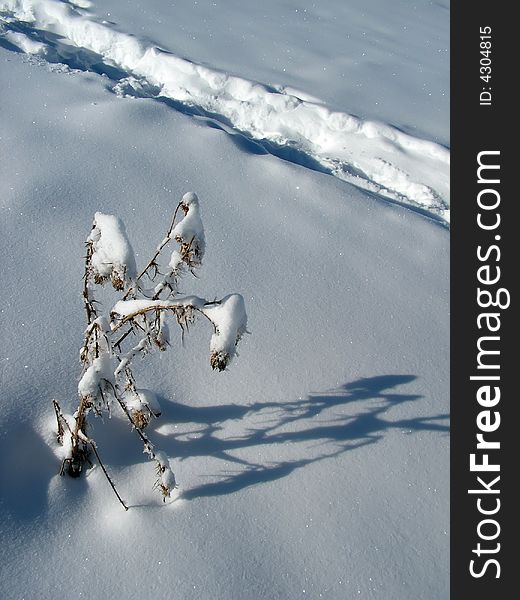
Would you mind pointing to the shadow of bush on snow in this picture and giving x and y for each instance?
(324, 423)
(266, 441)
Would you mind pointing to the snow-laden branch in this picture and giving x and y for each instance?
(112, 255)
(228, 317)
(189, 234)
(230, 321)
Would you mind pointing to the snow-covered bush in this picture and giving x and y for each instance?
(141, 314)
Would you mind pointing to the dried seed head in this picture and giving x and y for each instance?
(160, 343)
(219, 360)
(117, 282)
(83, 354)
(166, 480)
(140, 418)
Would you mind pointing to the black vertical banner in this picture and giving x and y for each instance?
(485, 440)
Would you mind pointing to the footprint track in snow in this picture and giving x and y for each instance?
(373, 156)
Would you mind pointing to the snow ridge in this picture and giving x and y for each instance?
(371, 155)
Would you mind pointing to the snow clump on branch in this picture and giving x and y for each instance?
(230, 321)
(190, 232)
(112, 255)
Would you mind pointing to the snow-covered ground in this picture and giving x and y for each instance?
(317, 465)
(372, 155)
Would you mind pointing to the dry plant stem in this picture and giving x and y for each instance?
(124, 365)
(78, 452)
(174, 308)
(148, 446)
(87, 300)
(122, 338)
(61, 420)
(93, 446)
(124, 362)
(164, 283)
(100, 383)
(151, 262)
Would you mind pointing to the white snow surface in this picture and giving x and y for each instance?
(346, 54)
(25, 43)
(370, 154)
(317, 465)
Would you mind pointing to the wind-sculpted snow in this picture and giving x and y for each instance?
(371, 155)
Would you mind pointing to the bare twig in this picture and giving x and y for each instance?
(165, 241)
(122, 338)
(88, 302)
(60, 419)
(175, 308)
(93, 446)
(78, 437)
